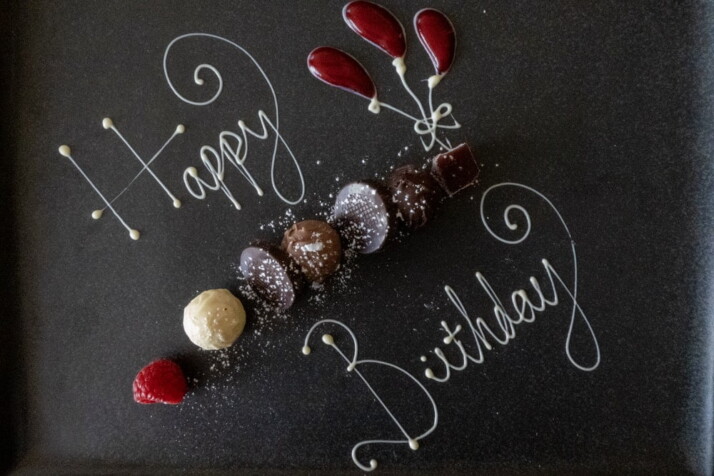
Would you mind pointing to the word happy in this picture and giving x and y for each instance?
(232, 148)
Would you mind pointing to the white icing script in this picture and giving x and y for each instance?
(524, 307)
(232, 147)
(108, 124)
(352, 366)
(485, 336)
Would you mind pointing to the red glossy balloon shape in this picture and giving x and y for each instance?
(337, 68)
(377, 25)
(438, 37)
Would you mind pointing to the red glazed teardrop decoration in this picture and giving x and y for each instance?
(438, 37)
(337, 68)
(377, 25)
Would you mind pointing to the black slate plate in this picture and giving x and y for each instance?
(604, 107)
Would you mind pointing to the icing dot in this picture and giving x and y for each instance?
(306, 350)
(351, 367)
(180, 129)
(328, 339)
(192, 172)
(373, 463)
(65, 150)
(134, 234)
(97, 214)
(423, 358)
(429, 373)
(434, 80)
(374, 106)
(107, 123)
(414, 444)
(177, 203)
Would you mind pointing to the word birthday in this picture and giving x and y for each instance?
(232, 147)
(525, 308)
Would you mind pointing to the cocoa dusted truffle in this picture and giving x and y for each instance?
(455, 169)
(271, 274)
(365, 216)
(315, 247)
(416, 195)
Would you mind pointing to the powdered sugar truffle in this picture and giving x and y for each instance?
(214, 319)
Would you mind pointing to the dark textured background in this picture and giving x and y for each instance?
(605, 107)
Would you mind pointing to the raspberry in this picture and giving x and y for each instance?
(162, 381)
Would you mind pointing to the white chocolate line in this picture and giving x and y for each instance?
(427, 126)
(352, 364)
(225, 154)
(180, 129)
(67, 152)
(525, 307)
(107, 123)
(576, 309)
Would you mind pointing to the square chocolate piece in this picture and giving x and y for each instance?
(455, 169)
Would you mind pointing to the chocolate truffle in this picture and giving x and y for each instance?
(214, 319)
(455, 169)
(271, 274)
(364, 216)
(416, 195)
(315, 247)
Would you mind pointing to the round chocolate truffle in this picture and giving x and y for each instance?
(315, 247)
(214, 319)
(271, 274)
(416, 195)
(365, 216)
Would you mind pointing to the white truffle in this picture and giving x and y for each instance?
(214, 319)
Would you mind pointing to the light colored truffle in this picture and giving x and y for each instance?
(214, 319)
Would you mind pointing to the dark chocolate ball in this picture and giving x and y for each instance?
(364, 215)
(416, 195)
(315, 247)
(271, 274)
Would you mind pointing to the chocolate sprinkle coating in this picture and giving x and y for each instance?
(416, 195)
(315, 246)
(364, 215)
(455, 169)
(271, 273)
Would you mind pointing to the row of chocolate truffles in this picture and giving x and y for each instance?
(366, 216)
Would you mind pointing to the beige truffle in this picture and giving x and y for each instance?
(214, 319)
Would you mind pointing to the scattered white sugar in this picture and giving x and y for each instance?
(280, 224)
(313, 247)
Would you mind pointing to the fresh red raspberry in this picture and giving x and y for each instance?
(162, 381)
